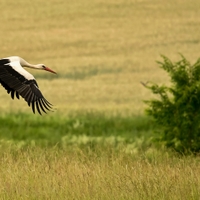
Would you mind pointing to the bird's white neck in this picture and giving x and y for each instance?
(26, 64)
(22, 63)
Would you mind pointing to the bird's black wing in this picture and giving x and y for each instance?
(9, 90)
(15, 83)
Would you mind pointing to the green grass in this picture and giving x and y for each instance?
(85, 128)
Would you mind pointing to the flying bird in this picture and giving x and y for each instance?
(18, 82)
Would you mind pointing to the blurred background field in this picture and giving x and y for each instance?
(101, 51)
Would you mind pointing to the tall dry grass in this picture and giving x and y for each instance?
(87, 174)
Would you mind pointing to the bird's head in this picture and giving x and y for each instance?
(43, 67)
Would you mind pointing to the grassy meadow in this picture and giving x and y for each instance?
(97, 144)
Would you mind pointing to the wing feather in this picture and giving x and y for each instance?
(41, 105)
(44, 104)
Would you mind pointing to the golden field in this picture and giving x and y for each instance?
(100, 49)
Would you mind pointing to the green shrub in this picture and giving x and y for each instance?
(177, 110)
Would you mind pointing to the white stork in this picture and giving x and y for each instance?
(17, 81)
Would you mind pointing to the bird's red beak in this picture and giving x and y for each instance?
(49, 70)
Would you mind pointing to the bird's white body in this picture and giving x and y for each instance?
(16, 80)
(15, 63)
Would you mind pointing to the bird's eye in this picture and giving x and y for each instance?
(43, 66)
